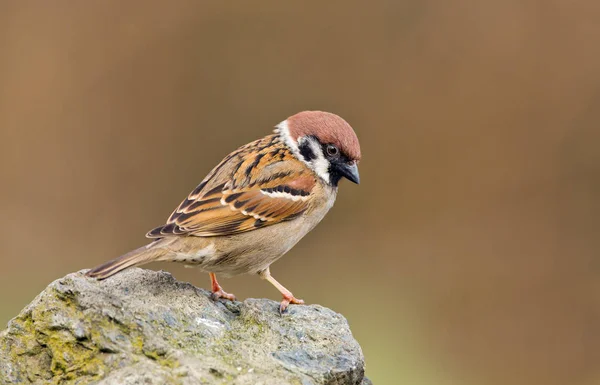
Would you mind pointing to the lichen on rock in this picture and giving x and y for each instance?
(142, 326)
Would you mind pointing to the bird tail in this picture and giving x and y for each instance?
(137, 257)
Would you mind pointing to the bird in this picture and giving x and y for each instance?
(256, 204)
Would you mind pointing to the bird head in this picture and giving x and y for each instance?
(325, 142)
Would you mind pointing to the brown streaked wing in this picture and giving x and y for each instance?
(248, 209)
(260, 184)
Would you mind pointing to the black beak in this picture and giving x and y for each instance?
(350, 172)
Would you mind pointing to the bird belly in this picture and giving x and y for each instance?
(248, 252)
(193, 257)
(254, 251)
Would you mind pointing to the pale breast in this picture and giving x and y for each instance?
(254, 251)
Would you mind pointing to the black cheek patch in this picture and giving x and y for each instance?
(306, 152)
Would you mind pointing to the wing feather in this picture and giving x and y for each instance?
(258, 185)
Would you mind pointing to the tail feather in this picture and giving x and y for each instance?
(137, 257)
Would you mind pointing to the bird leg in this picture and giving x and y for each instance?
(217, 290)
(288, 297)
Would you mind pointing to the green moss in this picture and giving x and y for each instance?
(161, 359)
(24, 350)
(57, 356)
(23, 336)
(53, 352)
(70, 359)
(137, 343)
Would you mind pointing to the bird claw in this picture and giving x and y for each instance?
(287, 301)
(221, 294)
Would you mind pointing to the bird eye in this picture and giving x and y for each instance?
(332, 150)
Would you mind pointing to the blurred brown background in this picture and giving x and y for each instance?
(469, 253)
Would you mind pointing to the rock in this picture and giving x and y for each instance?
(144, 327)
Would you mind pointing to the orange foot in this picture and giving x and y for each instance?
(217, 290)
(288, 299)
(221, 294)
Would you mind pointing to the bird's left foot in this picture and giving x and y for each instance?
(288, 299)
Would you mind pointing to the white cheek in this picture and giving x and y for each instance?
(284, 133)
(320, 164)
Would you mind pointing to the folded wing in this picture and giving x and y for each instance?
(267, 188)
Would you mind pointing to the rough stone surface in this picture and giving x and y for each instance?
(144, 327)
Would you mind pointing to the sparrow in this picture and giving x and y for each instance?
(256, 204)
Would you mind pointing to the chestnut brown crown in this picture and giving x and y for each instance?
(327, 128)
